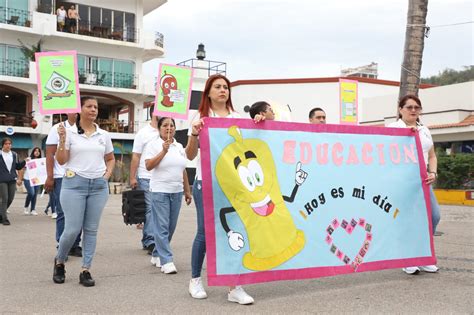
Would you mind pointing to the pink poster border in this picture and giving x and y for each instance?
(40, 88)
(294, 274)
(341, 121)
(157, 112)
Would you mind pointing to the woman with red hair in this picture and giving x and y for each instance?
(215, 102)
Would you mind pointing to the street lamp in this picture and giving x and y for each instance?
(200, 53)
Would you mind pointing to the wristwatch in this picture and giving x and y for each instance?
(435, 174)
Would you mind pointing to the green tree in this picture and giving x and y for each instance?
(454, 170)
(29, 52)
(451, 76)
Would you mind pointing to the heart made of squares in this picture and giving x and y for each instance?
(349, 228)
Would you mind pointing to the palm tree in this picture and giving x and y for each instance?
(29, 52)
(414, 45)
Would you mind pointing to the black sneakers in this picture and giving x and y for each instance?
(76, 251)
(59, 273)
(85, 279)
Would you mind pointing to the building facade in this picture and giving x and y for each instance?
(111, 48)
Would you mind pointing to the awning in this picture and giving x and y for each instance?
(123, 146)
(20, 140)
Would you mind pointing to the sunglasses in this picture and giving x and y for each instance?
(411, 108)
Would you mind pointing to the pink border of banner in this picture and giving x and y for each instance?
(293, 274)
(39, 87)
(356, 105)
(156, 112)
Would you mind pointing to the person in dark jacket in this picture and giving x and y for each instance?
(9, 164)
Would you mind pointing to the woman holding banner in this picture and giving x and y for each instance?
(409, 109)
(9, 164)
(215, 102)
(32, 191)
(88, 154)
(165, 158)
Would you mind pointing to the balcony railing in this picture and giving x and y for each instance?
(159, 39)
(212, 67)
(15, 119)
(15, 17)
(14, 68)
(120, 126)
(107, 78)
(88, 28)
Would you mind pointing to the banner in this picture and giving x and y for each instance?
(173, 91)
(348, 99)
(57, 79)
(296, 201)
(37, 171)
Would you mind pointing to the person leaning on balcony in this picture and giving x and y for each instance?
(215, 102)
(61, 17)
(409, 109)
(166, 160)
(140, 176)
(9, 165)
(55, 173)
(88, 154)
(317, 116)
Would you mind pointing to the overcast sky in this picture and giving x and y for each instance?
(267, 39)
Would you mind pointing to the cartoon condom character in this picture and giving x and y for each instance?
(168, 84)
(247, 175)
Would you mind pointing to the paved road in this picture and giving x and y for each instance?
(127, 283)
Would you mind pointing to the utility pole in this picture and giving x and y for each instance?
(414, 44)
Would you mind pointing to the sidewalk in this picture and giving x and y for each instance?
(126, 282)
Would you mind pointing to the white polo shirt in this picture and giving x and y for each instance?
(53, 139)
(424, 133)
(190, 130)
(8, 159)
(143, 136)
(86, 154)
(167, 177)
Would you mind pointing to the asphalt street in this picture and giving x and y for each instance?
(126, 282)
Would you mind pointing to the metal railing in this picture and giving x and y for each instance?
(159, 39)
(88, 28)
(15, 68)
(15, 119)
(212, 67)
(108, 78)
(15, 17)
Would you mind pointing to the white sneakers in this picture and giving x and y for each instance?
(54, 215)
(238, 295)
(169, 268)
(415, 270)
(429, 268)
(26, 211)
(156, 261)
(196, 289)
(33, 212)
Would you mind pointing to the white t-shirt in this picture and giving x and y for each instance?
(167, 177)
(53, 139)
(424, 133)
(143, 136)
(86, 155)
(61, 15)
(8, 159)
(190, 130)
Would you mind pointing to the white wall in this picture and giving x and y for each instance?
(302, 97)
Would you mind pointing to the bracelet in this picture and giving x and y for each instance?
(435, 174)
(192, 134)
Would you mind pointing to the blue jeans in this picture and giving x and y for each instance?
(435, 211)
(56, 207)
(164, 215)
(147, 239)
(32, 194)
(199, 245)
(86, 198)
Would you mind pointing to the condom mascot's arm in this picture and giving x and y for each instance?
(246, 173)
